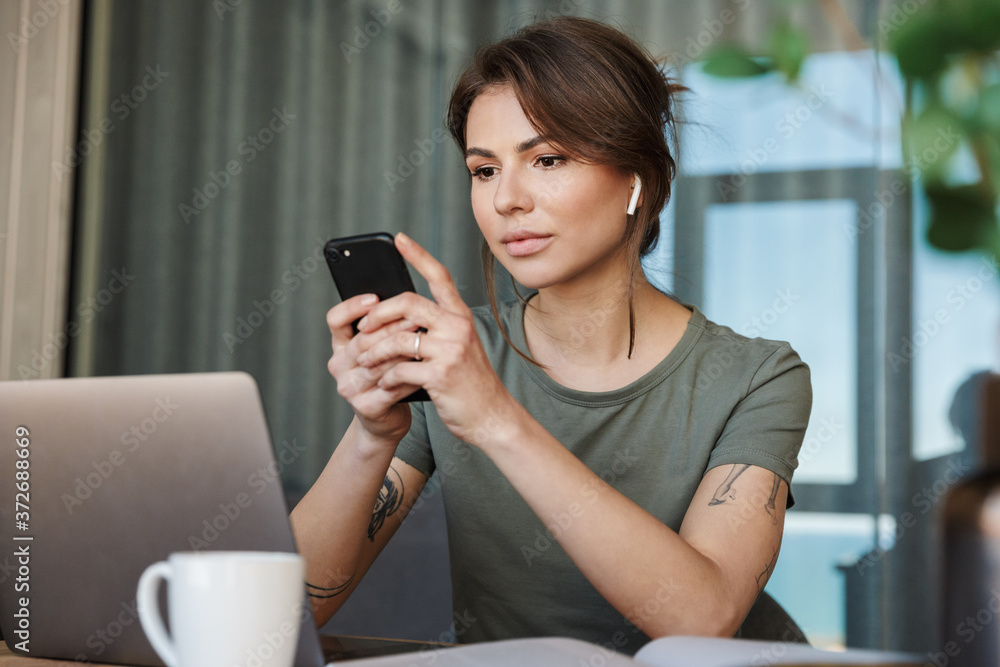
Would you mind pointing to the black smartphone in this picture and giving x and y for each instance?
(369, 264)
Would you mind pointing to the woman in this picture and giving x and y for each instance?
(614, 466)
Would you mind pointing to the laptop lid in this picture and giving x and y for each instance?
(102, 477)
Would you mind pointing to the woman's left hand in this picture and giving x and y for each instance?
(454, 369)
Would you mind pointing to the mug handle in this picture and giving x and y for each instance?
(149, 611)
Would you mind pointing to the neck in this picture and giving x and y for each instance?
(587, 325)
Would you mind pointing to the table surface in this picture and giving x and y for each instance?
(9, 659)
(335, 647)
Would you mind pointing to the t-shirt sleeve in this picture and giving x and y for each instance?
(415, 447)
(768, 424)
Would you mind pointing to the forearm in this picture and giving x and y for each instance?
(635, 561)
(331, 522)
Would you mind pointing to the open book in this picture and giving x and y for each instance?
(663, 652)
(715, 652)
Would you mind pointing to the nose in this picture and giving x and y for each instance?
(512, 194)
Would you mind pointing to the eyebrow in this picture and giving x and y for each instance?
(525, 145)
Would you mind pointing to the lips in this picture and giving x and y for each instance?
(521, 243)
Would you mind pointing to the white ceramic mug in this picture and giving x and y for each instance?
(226, 608)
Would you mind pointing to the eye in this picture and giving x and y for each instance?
(550, 161)
(483, 173)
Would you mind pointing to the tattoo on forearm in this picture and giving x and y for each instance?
(323, 593)
(766, 573)
(390, 498)
(725, 491)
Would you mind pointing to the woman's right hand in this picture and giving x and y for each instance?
(378, 410)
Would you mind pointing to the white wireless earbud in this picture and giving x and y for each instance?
(635, 196)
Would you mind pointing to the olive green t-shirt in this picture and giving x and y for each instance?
(717, 398)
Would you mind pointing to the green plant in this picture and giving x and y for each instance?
(948, 52)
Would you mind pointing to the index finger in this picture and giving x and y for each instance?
(438, 278)
(344, 314)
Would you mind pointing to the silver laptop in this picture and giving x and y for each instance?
(102, 477)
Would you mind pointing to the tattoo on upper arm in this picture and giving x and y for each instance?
(390, 499)
(323, 593)
(766, 573)
(770, 501)
(725, 492)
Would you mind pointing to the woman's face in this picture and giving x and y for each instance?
(549, 219)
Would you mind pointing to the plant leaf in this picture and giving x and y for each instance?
(975, 24)
(731, 61)
(988, 111)
(932, 138)
(922, 42)
(961, 219)
(788, 48)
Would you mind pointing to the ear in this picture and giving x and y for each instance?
(636, 189)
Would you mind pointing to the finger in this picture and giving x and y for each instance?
(351, 382)
(398, 392)
(404, 374)
(361, 380)
(339, 317)
(409, 306)
(343, 365)
(376, 401)
(438, 278)
(380, 396)
(401, 345)
(363, 341)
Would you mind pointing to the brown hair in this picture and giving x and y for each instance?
(596, 94)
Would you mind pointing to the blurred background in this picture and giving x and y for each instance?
(169, 172)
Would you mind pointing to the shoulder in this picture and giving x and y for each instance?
(745, 364)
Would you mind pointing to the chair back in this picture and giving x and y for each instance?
(767, 620)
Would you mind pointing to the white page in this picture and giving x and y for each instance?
(535, 652)
(719, 652)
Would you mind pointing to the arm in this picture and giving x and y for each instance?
(363, 493)
(349, 515)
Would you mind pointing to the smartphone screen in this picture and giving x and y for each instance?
(369, 264)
